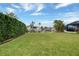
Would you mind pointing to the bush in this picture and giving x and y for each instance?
(10, 27)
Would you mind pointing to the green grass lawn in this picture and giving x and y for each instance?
(42, 44)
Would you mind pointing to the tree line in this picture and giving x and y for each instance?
(10, 27)
(58, 25)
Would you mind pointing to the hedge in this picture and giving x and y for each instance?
(10, 27)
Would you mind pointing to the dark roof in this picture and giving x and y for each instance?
(76, 22)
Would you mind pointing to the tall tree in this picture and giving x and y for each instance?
(59, 25)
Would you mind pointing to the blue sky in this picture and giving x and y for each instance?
(45, 13)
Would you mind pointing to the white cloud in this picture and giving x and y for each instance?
(35, 14)
(70, 17)
(71, 14)
(31, 6)
(36, 7)
(70, 20)
(47, 23)
(15, 6)
(9, 10)
(39, 7)
(38, 13)
(27, 6)
(62, 5)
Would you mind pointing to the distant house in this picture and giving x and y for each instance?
(47, 29)
(74, 26)
(39, 29)
(34, 29)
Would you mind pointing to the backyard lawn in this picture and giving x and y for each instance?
(42, 44)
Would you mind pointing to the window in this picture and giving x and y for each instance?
(72, 27)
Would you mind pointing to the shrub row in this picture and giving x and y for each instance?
(10, 27)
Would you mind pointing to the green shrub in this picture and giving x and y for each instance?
(10, 27)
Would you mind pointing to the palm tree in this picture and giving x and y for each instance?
(32, 25)
(39, 26)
